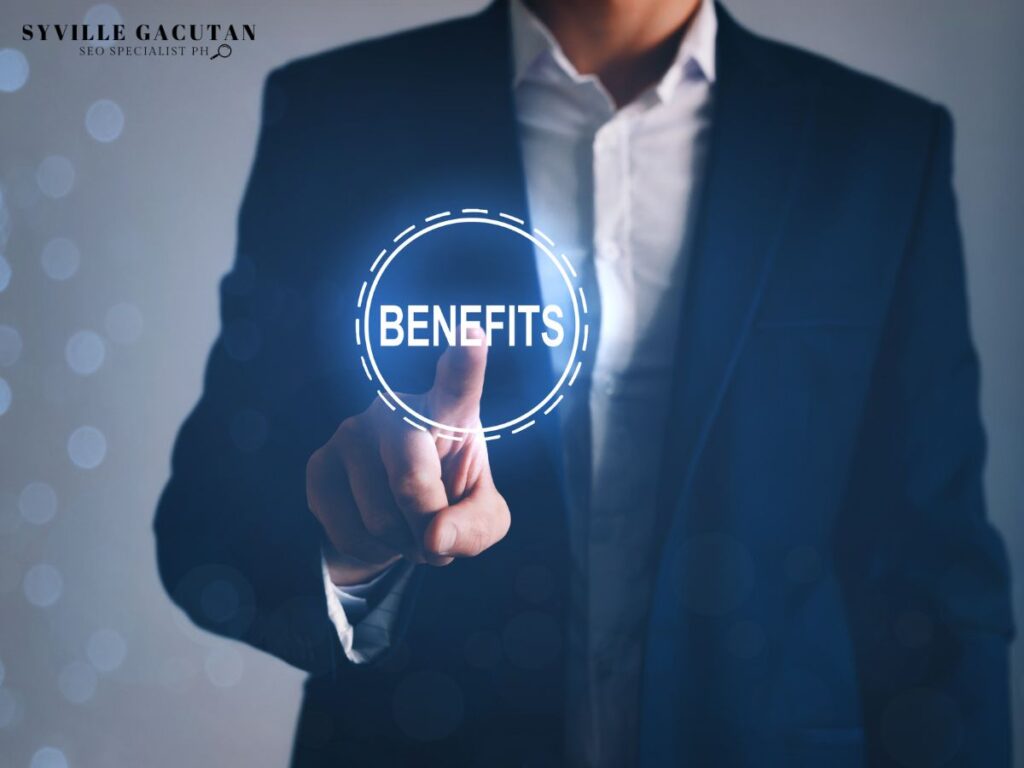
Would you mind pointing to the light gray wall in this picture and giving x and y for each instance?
(152, 214)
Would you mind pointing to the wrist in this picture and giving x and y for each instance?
(346, 571)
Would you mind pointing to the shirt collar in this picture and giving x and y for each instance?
(532, 42)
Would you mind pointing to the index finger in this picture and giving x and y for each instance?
(459, 379)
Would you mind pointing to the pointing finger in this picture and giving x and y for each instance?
(459, 379)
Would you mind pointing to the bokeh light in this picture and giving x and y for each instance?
(85, 352)
(13, 70)
(87, 447)
(5, 396)
(5, 273)
(105, 14)
(124, 323)
(60, 258)
(106, 650)
(55, 176)
(77, 682)
(43, 585)
(38, 503)
(104, 120)
(49, 757)
(10, 345)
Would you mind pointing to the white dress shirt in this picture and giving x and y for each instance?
(616, 189)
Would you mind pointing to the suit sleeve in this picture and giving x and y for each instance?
(925, 572)
(237, 548)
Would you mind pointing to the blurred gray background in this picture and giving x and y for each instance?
(120, 182)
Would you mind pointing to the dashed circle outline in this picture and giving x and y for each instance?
(472, 216)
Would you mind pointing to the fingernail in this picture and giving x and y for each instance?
(446, 539)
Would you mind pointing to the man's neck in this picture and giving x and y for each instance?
(628, 44)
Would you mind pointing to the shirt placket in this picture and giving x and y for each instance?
(614, 282)
(611, 247)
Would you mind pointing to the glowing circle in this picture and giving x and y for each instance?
(439, 223)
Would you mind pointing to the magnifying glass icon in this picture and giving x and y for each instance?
(223, 51)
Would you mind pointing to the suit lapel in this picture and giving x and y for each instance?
(761, 119)
(761, 124)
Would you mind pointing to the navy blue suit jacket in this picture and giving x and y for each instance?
(829, 590)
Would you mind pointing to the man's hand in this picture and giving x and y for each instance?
(384, 490)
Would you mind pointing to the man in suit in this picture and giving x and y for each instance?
(756, 534)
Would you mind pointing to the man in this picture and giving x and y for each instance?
(756, 538)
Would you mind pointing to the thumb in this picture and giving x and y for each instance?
(459, 379)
